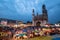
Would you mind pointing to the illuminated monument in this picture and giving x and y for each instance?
(40, 19)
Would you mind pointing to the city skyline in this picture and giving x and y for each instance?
(22, 9)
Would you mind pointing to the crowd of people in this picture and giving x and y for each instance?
(30, 32)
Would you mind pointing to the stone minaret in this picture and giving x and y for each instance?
(44, 11)
(33, 15)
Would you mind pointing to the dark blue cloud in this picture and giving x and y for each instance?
(22, 9)
(53, 7)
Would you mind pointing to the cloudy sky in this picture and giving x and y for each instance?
(22, 9)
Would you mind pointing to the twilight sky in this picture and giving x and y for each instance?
(22, 9)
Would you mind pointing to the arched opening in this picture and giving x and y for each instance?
(38, 23)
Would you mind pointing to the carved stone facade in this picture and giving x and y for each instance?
(40, 19)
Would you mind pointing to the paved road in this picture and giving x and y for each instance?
(56, 36)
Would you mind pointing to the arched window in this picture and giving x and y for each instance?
(38, 23)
